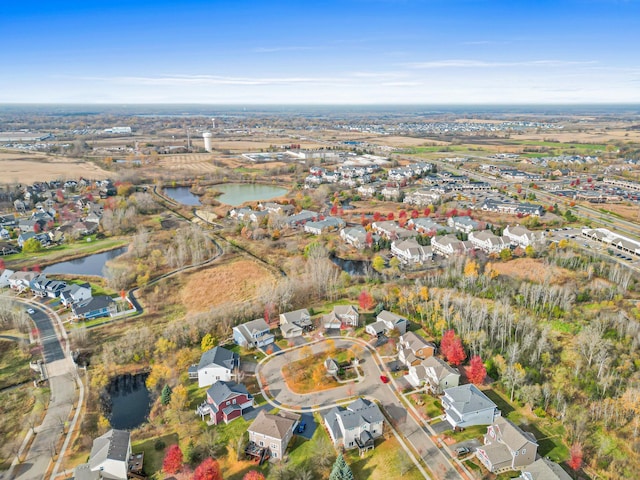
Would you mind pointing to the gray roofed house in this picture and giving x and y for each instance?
(413, 348)
(94, 307)
(109, 458)
(294, 324)
(447, 245)
(543, 469)
(488, 242)
(506, 447)
(301, 218)
(225, 402)
(253, 334)
(463, 224)
(341, 316)
(387, 321)
(75, 293)
(215, 364)
(466, 406)
(435, 373)
(329, 224)
(411, 252)
(357, 425)
(273, 431)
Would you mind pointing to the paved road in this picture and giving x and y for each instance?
(370, 386)
(62, 383)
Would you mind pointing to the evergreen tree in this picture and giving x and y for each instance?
(341, 470)
(165, 397)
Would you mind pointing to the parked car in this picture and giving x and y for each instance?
(462, 451)
(30, 311)
(384, 379)
(301, 427)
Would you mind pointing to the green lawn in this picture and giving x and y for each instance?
(477, 431)
(388, 460)
(153, 457)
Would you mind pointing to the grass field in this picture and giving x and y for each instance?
(153, 456)
(233, 281)
(21, 168)
(14, 364)
(387, 460)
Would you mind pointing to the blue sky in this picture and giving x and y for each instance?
(325, 52)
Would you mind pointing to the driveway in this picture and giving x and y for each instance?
(371, 386)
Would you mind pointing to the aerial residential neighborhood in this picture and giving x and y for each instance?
(371, 240)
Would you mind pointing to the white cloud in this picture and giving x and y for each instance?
(484, 64)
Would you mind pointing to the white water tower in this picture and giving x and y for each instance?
(207, 141)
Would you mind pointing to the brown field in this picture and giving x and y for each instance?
(628, 212)
(29, 167)
(532, 270)
(232, 281)
(396, 141)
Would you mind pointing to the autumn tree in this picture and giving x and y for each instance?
(209, 469)
(253, 475)
(208, 342)
(365, 300)
(173, 460)
(471, 269)
(452, 349)
(378, 263)
(575, 459)
(165, 397)
(477, 371)
(179, 398)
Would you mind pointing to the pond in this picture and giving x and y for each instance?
(354, 267)
(182, 195)
(126, 401)
(89, 265)
(235, 194)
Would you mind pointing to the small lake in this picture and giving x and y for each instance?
(354, 267)
(89, 265)
(126, 401)
(235, 194)
(182, 195)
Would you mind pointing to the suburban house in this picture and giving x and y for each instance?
(253, 334)
(225, 402)
(294, 324)
(43, 238)
(5, 275)
(21, 281)
(273, 432)
(522, 237)
(488, 242)
(4, 234)
(544, 469)
(421, 198)
(332, 366)
(436, 374)
(357, 425)
(463, 224)
(8, 220)
(356, 236)
(329, 224)
(385, 322)
(277, 208)
(412, 349)
(94, 307)
(391, 230)
(75, 293)
(7, 248)
(424, 225)
(447, 245)
(506, 447)
(44, 287)
(109, 458)
(342, 316)
(301, 218)
(411, 252)
(215, 364)
(513, 208)
(466, 405)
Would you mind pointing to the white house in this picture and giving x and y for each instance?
(109, 458)
(520, 236)
(215, 364)
(466, 405)
(447, 245)
(544, 469)
(253, 334)
(75, 293)
(357, 425)
(341, 316)
(488, 242)
(5, 275)
(385, 322)
(411, 252)
(463, 224)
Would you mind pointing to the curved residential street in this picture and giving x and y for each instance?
(370, 385)
(62, 382)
